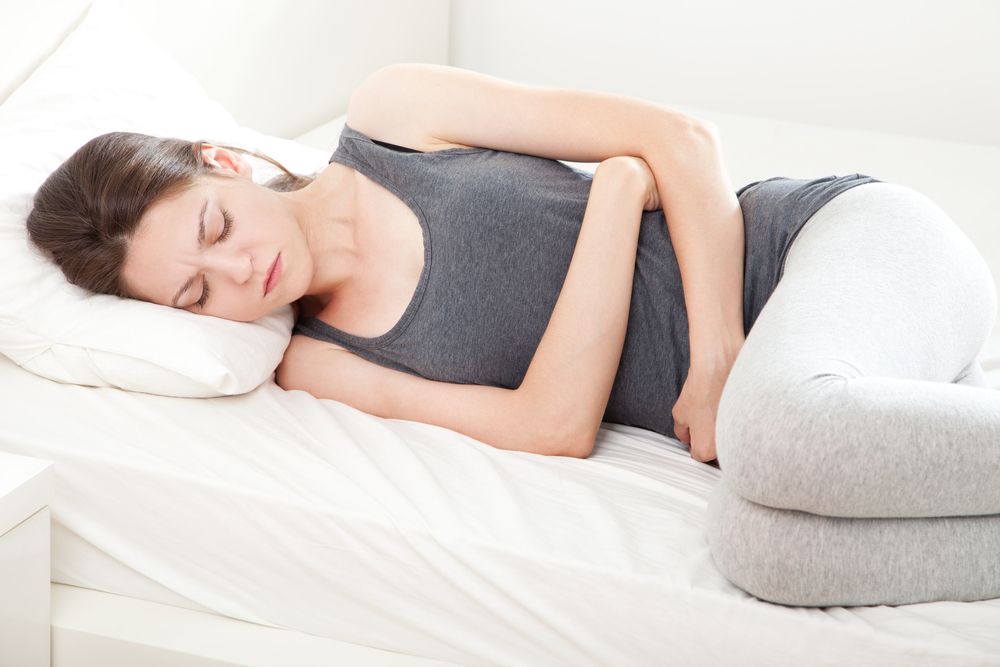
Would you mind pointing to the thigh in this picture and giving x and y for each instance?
(879, 282)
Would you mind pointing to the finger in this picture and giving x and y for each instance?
(710, 450)
(682, 433)
(698, 449)
(704, 450)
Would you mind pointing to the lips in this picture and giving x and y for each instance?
(270, 274)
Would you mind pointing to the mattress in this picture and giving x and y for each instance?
(285, 510)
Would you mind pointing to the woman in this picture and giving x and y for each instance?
(450, 271)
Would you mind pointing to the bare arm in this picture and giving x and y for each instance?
(573, 369)
(558, 407)
(705, 223)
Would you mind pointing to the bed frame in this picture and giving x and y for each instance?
(97, 629)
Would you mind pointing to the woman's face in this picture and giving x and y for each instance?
(222, 273)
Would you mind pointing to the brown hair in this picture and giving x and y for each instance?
(87, 211)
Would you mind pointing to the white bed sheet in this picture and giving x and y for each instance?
(284, 510)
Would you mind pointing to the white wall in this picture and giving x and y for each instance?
(905, 91)
(281, 67)
(915, 67)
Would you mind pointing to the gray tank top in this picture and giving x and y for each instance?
(499, 231)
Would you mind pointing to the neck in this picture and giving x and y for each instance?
(329, 217)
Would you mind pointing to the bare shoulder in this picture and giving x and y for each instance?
(401, 137)
(307, 347)
(304, 348)
(435, 107)
(302, 354)
(369, 112)
(308, 306)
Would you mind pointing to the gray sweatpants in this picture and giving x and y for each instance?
(858, 442)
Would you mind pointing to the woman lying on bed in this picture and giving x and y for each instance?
(449, 270)
(182, 224)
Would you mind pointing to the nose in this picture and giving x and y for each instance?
(236, 267)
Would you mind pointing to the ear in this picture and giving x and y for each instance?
(225, 160)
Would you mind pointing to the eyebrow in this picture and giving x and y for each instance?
(201, 240)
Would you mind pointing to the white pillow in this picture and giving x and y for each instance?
(104, 77)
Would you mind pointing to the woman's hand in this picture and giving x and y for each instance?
(696, 408)
(643, 174)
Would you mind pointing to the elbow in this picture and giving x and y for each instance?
(685, 147)
(580, 444)
(708, 126)
(705, 130)
(558, 429)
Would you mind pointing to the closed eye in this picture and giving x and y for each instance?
(227, 227)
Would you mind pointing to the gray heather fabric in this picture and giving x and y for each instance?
(858, 441)
(801, 559)
(499, 233)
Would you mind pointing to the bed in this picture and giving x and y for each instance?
(274, 528)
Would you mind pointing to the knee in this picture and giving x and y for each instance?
(991, 299)
(765, 438)
(977, 300)
(743, 430)
(751, 547)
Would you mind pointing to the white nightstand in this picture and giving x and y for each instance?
(25, 494)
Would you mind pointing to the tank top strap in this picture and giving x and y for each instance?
(385, 166)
